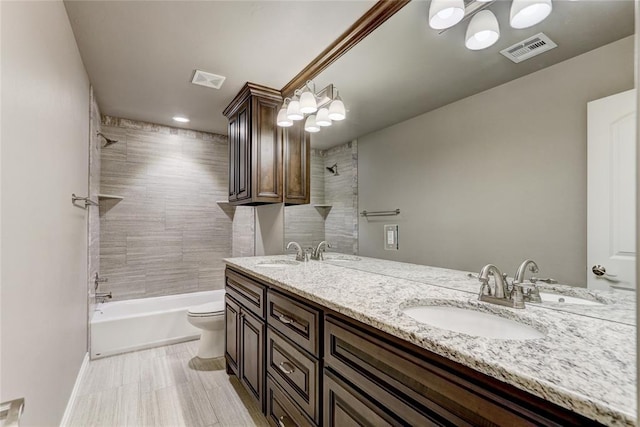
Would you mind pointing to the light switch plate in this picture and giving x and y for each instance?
(391, 237)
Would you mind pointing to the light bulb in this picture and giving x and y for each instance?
(322, 119)
(310, 125)
(293, 110)
(336, 110)
(308, 103)
(445, 13)
(283, 121)
(527, 13)
(483, 31)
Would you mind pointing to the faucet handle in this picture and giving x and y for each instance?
(517, 296)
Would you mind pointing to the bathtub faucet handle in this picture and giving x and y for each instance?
(103, 296)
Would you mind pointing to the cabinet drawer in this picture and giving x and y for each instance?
(295, 320)
(281, 411)
(432, 385)
(249, 293)
(296, 372)
(345, 407)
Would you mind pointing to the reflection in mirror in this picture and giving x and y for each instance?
(486, 158)
(332, 214)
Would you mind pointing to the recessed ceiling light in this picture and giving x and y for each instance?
(181, 119)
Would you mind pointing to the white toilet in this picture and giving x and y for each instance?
(210, 318)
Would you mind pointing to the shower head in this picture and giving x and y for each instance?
(109, 141)
(333, 169)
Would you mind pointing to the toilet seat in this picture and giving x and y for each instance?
(209, 309)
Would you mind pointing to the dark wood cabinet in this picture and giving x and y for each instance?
(246, 333)
(255, 146)
(232, 342)
(252, 360)
(297, 164)
(309, 365)
(257, 173)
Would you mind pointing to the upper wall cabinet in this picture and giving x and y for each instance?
(257, 173)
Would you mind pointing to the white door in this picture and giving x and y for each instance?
(611, 179)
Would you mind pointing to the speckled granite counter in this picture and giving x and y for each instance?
(618, 306)
(584, 364)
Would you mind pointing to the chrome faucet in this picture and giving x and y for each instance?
(502, 295)
(533, 267)
(533, 293)
(103, 296)
(299, 252)
(318, 251)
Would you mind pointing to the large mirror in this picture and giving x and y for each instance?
(487, 159)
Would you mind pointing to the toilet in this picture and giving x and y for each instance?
(209, 318)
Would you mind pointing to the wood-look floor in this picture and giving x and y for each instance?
(164, 386)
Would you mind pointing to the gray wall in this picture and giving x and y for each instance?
(169, 234)
(497, 177)
(45, 152)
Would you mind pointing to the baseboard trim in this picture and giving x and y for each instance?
(74, 393)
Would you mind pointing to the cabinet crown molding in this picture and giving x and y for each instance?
(251, 89)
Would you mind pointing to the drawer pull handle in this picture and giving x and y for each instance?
(286, 320)
(281, 422)
(287, 368)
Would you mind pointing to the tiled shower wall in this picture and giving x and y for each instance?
(338, 222)
(341, 192)
(94, 189)
(168, 235)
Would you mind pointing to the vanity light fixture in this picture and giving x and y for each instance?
(293, 110)
(337, 111)
(527, 13)
(308, 104)
(445, 13)
(324, 107)
(322, 118)
(483, 31)
(310, 125)
(282, 120)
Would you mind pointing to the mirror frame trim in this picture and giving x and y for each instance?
(372, 19)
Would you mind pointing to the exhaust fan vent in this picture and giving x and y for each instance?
(529, 48)
(205, 79)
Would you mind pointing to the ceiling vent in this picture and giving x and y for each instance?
(529, 48)
(205, 79)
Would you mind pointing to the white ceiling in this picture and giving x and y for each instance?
(404, 68)
(141, 55)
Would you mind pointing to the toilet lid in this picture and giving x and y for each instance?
(208, 308)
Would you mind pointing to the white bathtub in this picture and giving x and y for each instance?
(121, 326)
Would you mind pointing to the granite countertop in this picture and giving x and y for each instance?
(618, 306)
(584, 364)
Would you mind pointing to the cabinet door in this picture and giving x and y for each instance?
(232, 323)
(297, 164)
(243, 153)
(252, 362)
(267, 151)
(233, 153)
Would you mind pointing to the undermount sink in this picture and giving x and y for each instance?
(565, 299)
(340, 258)
(280, 263)
(472, 322)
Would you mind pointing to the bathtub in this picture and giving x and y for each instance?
(122, 326)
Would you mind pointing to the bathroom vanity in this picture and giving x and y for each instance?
(317, 343)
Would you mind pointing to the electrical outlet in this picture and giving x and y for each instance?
(391, 237)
